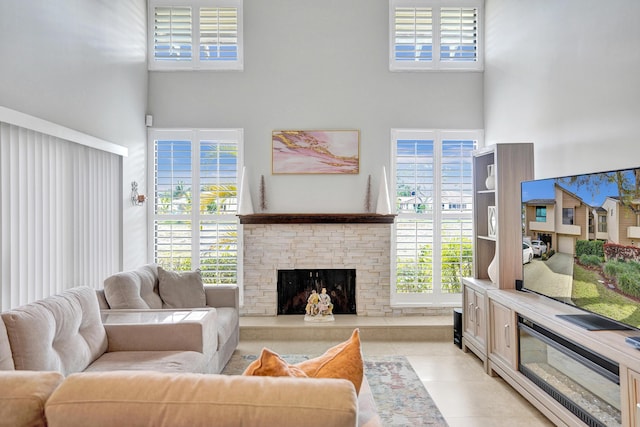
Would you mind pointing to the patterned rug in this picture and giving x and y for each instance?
(399, 394)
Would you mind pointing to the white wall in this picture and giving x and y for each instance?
(82, 64)
(313, 64)
(562, 74)
(566, 76)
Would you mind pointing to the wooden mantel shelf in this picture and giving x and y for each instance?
(317, 218)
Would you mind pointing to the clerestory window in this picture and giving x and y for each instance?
(435, 35)
(195, 35)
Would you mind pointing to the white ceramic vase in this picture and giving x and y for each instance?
(492, 270)
(490, 182)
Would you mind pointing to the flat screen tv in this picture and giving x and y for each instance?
(581, 245)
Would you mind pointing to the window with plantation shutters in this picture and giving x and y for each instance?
(196, 35)
(195, 226)
(435, 35)
(432, 181)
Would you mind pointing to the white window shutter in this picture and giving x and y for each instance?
(219, 34)
(413, 34)
(459, 34)
(172, 34)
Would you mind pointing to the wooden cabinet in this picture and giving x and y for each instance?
(503, 333)
(504, 308)
(633, 385)
(474, 314)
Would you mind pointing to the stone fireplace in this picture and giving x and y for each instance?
(359, 242)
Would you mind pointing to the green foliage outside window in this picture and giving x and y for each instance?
(417, 276)
(457, 262)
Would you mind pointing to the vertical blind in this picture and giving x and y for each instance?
(60, 223)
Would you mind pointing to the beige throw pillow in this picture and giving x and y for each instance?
(133, 289)
(181, 290)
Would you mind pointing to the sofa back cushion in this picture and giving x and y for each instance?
(61, 333)
(23, 395)
(120, 398)
(6, 360)
(136, 289)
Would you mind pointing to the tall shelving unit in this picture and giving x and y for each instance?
(512, 164)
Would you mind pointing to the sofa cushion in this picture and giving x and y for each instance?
(226, 324)
(61, 333)
(137, 289)
(6, 359)
(23, 395)
(181, 289)
(341, 361)
(165, 361)
(162, 399)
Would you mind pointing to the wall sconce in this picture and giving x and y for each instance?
(136, 199)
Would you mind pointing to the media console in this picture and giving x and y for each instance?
(575, 376)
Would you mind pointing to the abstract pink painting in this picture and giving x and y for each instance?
(318, 151)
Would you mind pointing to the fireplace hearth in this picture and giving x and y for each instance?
(295, 286)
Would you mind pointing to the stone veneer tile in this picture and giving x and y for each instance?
(365, 247)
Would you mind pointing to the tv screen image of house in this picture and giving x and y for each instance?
(584, 232)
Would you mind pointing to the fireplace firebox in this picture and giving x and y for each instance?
(295, 286)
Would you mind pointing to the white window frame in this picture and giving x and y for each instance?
(437, 298)
(435, 64)
(194, 63)
(195, 136)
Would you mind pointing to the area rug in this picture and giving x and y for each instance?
(399, 394)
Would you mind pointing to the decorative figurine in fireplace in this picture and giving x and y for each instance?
(319, 307)
(312, 303)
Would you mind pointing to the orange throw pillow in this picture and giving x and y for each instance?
(342, 361)
(270, 364)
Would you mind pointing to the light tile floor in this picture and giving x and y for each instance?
(456, 381)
